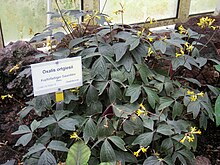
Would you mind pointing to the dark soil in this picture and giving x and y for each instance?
(9, 122)
(19, 84)
(208, 151)
(209, 144)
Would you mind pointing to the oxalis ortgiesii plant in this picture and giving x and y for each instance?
(128, 111)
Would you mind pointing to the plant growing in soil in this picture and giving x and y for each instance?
(136, 105)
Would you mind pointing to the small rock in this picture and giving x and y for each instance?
(201, 160)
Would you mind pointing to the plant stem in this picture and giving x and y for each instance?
(18, 101)
(122, 14)
(208, 41)
(58, 7)
(104, 6)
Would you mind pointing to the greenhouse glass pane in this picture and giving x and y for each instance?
(21, 19)
(139, 10)
(202, 6)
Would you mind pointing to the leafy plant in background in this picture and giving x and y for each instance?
(128, 111)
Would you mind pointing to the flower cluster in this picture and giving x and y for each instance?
(94, 15)
(6, 96)
(142, 110)
(72, 24)
(207, 22)
(189, 47)
(150, 51)
(141, 149)
(190, 135)
(182, 30)
(74, 136)
(149, 38)
(117, 12)
(140, 33)
(193, 96)
(151, 20)
(49, 42)
(181, 53)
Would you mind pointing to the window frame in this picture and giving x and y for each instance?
(182, 14)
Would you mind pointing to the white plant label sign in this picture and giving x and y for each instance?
(58, 75)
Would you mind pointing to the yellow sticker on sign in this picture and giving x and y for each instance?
(59, 96)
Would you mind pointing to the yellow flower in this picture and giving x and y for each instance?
(69, 22)
(118, 12)
(190, 138)
(144, 149)
(182, 30)
(75, 90)
(150, 51)
(181, 51)
(193, 97)
(151, 20)
(150, 39)
(16, 67)
(214, 27)
(180, 54)
(87, 18)
(74, 136)
(5, 96)
(136, 153)
(190, 135)
(206, 22)
(197, 132)
(211, 21)
(140, 112)
(108, 19)
(203, 22)
(194, 131)
(142, 106)
(183, 139)
(74, 25)
(190, 92)
(189, 48)
(10, 96)
(139, 33)
(156, 154)
(98, 17)
(149, 34)
(49, 43)
(200, 94)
